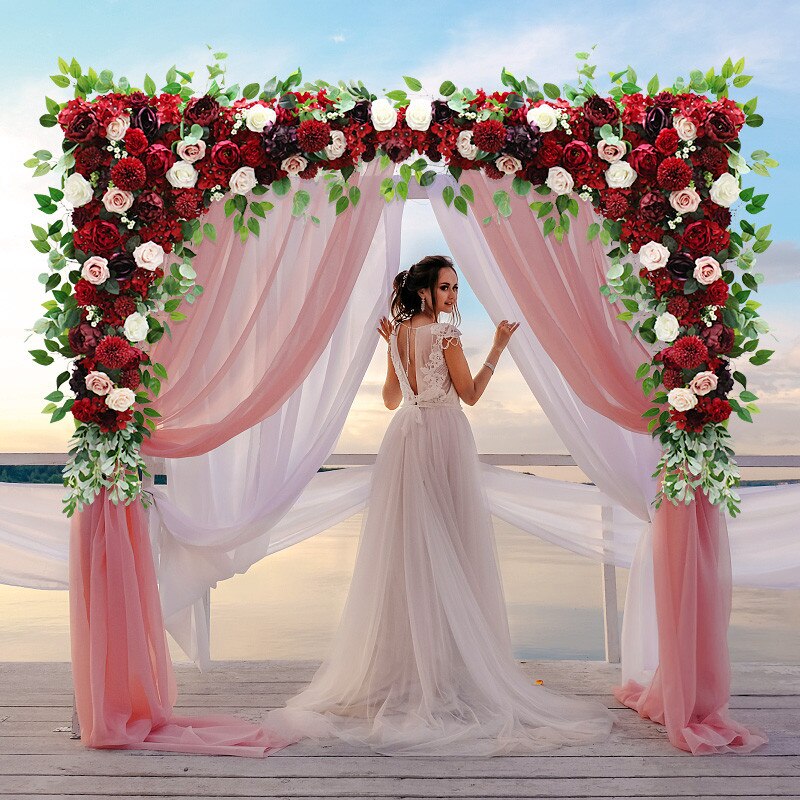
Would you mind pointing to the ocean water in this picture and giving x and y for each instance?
(288, 606)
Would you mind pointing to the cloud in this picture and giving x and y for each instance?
(338, 38)
(780, 263)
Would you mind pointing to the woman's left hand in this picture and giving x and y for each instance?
(385, 329)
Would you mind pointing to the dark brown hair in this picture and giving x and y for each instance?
(424, 274)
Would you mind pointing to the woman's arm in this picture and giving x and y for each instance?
(470, 389)
(392, 393)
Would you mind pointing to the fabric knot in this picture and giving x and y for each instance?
(412, 416)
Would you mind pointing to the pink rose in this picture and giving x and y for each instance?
(703, 383)
(95, 270)
(508, 164)
(116, 129)
(684, 201)
(117, 201)
(611, 152)
(191, 152)
(707, 270)
(294, 164)
(99, 383)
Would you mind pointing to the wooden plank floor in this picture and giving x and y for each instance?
(636, 762)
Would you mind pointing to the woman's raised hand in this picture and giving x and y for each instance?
(503, 333)
(385, 329)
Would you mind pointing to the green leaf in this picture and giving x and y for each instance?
(412, 83)
(62, 81)
(742, 80)
(210, 231)
(520, 186)
(447, 88)
(461, 205)
(282, 186)
(41, 357)
(502, 202)
(747, 397)
(250, 91)
(467, 193)
(355, 195)
(300, 202)
(652, 86)
(754, 120)
(254, 225)
(448, 194)
(551, 90)
(397, 95)
(761, 357)
(341, 204)
(149, 85)
(644, 369)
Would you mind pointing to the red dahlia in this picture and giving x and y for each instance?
(672, 378)
(310, 171)
(714, 160)
(124, 306)
(614, 203)
(113, 352)
(130, 379)
(313, 135)
(129, 174)
(716, 408)
(188, 203)
(489, 135)
(678, 306)
(674, 174)
(687, 353)
(87, 160)
(491, 171)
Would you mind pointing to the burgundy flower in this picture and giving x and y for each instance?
(704, 236)
(148, 207)
(313, 135)
(135, 142)
(653, 207)
(688, 352)
(121, 265)
(724, 380)
(266, 174)
(360, 112)
(77, 381)
(680, 265)
(644, 159)
(188, 203)
(83, 338)
(600, 111)
(614, 203)
(674, 174)
(145, 119)
(549, 154)
(201, 111)
(441, 111)
(667, 141)
(280, 141)
(577, 154)
(522, 141)
(715, 160)
(82, 127)
(113, 352)
(225, 154)
(397, 149)
(656, 120)
(720, 127)
(718, 338)
(672, 378)
(158, 159)
(88, 159)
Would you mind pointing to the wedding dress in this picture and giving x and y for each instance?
(422, 662)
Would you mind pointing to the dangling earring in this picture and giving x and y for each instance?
(422, 308)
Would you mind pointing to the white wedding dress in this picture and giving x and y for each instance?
(422, 662)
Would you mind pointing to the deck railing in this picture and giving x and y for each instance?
(608, 571)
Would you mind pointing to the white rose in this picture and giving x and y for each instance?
(136, 327)
(707, 270)
(544, 117)
(182, 175)
(620, 175)
(725, 190)
(115, 130)
(337, 146)
(294, 164)
(191, 151)
(149, 255)
(667, 327)
(259, 117)
(243, 180)
(418, 114)
(508, 164)
(653, 255)
(686, 129)
(120, 399)
(77, 190)
(682, 399)
(465, 147)
(384, 114)
(611, 152)
(117, 201)
(559, 180)
(684, 201)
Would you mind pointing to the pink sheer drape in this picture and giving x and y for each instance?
(690, 690)
(557, 289)
(266, 314)
(124, 684)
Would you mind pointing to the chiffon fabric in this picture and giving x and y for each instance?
(124, 685)
(422, 663)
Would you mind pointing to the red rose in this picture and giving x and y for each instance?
(85, 293)
(252, 152)
(201, 110)
(148, 207)
(644, 159)
(98, 236)
(225, 154)
(703, 237)
(724, 120)
(577, 155)
(135, 142)
(653, 206)
(157, 160)
(82, 214)
(549, 154)
(667, 141)
(82, 127)
(600, 111)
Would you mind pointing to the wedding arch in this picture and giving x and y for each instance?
(204, 236)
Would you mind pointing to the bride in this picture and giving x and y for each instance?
(422, 662)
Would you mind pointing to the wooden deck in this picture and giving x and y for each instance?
(636, 761)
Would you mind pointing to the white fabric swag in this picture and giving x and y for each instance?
(262, 490)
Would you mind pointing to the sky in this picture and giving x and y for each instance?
(466, 42)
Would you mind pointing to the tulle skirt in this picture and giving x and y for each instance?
(422, 663)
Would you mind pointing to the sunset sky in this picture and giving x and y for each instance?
(466, 42)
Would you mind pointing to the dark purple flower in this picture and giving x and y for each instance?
(397, 149)
(360, 112)
(724, 381)
(122, 265)
(680, 265)
(280, 141)
(522, 141)
(441, 111)
(77, 381)
(146, 120)
(655, 120)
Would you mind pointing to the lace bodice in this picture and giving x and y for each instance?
(432, 377)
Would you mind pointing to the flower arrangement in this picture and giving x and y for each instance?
(140, 168)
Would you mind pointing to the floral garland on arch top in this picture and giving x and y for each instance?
(139, 169)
